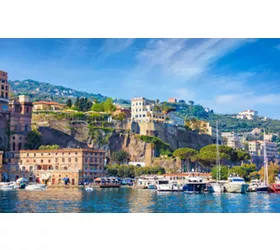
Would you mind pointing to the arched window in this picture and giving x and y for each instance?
(65, 168)
(19, 146)
(26, 128)
(14, 146)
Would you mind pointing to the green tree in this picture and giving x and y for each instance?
(120, 117)
(97, 107)
(109, 106)
(69, 103)
(224, 172)
(120, 156)
(185, 154)
(33, 139)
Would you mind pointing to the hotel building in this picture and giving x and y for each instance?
(144, 110)
(53, 166)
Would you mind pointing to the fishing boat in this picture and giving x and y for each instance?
(217, 187)
(36, 186)
(236, 184)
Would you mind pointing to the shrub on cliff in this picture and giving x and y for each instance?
(33, 139)
(49, 147)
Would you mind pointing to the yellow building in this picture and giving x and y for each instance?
(43, 105)
(53, 166)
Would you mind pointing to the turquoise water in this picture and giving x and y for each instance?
(128, 200)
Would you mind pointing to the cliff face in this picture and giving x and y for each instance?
(175, 136)
(68, 133)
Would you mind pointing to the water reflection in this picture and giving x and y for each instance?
(124, 200)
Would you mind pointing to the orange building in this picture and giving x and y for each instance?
(119, 110)
(43, 105)
(172, 100)
(52, 167)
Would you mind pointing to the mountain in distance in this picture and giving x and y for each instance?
(38, 91)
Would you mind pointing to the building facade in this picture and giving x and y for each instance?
(20, 110)
(43, 105)
(231, 139)
(256, 148)
(4, 91)
(1, 164)
(144, 110)
(172, 100)
(52, 167)
(247, 114)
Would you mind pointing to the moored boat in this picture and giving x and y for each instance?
(166, 186)
(36, 186)
(195, 185)
(236, 185)
(275, 187)
(107, 182)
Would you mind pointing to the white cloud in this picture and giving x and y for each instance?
(115, 45)
(185, 58)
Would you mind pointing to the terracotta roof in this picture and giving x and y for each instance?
(49, 103)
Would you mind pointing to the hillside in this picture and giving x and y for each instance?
(226, 121)
(46, 91)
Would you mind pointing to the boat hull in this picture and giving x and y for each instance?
(236, 187)
(36, 187)
(109, 185)
(274, 188)
(194, 188)
(215, 188)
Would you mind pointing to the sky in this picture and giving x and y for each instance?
(226, 75)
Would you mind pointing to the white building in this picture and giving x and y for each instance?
(143, 109)
(256, 148)
(175, 119)
(232, 140)
(247, 114)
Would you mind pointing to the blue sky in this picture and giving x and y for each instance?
(227, 75)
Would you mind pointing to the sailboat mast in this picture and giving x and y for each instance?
(265, 161)
(218, 153)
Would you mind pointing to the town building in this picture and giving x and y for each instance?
(175, 119)
(231, 139)
(44, 105)
(20, 109)
(52, 167)
(247, 114)
(144, 110)
(4, 91)
(256, 148)
(172, 100)
(119, 110)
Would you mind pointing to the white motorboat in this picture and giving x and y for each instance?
(253, 186)
(6, 186)
(36, 186)
(88, 188)
(236, 185)
(165, 186)
(195, 185)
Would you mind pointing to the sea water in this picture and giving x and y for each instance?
(130, 200)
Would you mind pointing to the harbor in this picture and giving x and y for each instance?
(131, 200)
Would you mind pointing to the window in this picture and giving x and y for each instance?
(42, 161)
(69, 159)
(76, 159)
(63, 160)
